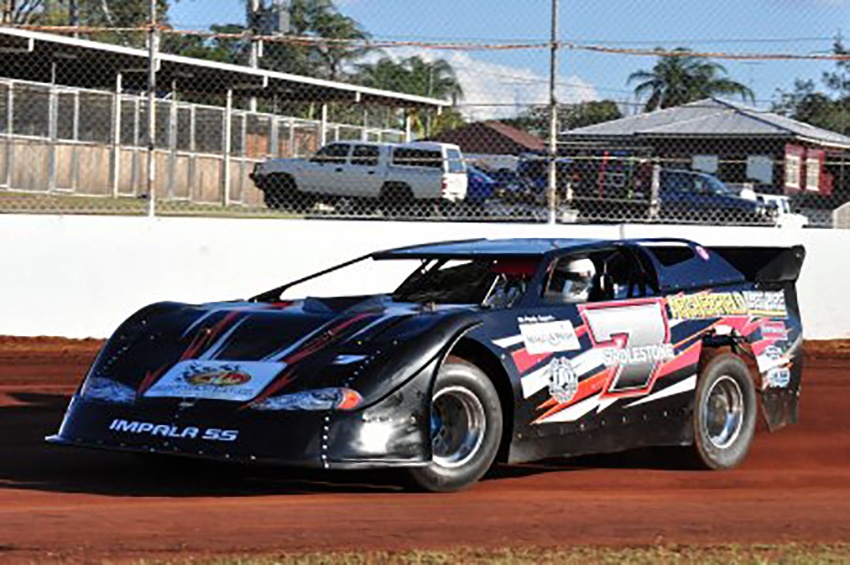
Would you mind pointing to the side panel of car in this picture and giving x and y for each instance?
(619, 374)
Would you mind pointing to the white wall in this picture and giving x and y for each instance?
(79, 276)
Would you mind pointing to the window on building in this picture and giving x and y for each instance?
(760, 168)
(792, 171)
(813, 173)
(705, 163)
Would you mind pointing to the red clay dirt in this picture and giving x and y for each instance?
(88, 505)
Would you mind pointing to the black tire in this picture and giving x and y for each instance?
(724, 413)
(458, 464)
(279, 190)
(396, 200)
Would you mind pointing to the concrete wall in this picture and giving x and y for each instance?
(79, 276)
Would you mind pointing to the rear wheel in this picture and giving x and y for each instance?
(396, 200)
(466, 427)
(724, 413)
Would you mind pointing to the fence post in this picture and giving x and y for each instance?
(552, 183)
(10, 130)
(172, 140)
(52, 133)
(116, 134)
(153, 38)
(323, 125)
(408, 127)
(228, 132)
(654, 190)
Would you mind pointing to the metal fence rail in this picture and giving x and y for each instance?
(68, 141)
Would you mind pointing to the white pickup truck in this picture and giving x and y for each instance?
(396, 175)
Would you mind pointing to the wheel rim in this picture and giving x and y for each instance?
(723, 412)
(458, 423)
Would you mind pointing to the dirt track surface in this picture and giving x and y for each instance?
(77, 504)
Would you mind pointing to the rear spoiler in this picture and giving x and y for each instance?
(765, 264)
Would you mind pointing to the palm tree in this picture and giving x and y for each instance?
(679, 78)
(414, 75)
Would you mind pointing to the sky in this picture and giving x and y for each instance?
(496, 83)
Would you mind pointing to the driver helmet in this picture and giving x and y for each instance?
(578, 274)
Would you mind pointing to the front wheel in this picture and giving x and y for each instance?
(724, 413)
(466, 427)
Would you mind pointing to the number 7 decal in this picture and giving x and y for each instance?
(635, 339)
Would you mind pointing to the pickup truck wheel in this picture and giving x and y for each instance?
(466, 428)
(396, 200)
(279, 190)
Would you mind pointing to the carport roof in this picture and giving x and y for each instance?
(92, 64)
(711, 117)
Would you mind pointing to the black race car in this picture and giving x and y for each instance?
(490, 350)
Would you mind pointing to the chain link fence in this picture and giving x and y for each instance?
(231, 140)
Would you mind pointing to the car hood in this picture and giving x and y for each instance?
(256, 350)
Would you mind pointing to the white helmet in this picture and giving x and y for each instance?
(578, 274)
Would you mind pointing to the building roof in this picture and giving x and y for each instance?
(93, 64)
(712, 117)
(492, 137)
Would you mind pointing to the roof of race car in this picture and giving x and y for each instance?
(487, 248)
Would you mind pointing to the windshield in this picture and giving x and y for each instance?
(717, 186)
(496, 283)
(489, 282)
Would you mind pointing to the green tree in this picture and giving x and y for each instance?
(681, 78)
(317, 19)
(536, 120)
(826, 110)
(103, 13)
(413, 75)
(88, 13)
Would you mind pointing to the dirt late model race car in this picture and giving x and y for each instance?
(489, 350)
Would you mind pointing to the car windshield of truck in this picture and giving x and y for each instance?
(489, 282)
(712, 184)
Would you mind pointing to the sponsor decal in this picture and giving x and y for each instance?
(773, 329)
(772, 353)
(237, 381)
(563, 380)
(779, 377)
(172, 431)
(219, 378)
(634, 337)
(548, 337)
(638, 355)
(706, 305)
(762, 303)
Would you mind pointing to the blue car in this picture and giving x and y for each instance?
(480, 186)
(687, 194)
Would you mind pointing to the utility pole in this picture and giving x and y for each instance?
(552, 185)
(256, 44)
(74, 15)
(153, 47)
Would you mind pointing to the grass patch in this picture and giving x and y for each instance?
(791, 554)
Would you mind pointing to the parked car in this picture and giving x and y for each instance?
(395, 175)
(490, 350)
(534, 172)
(692, 195)
(481, 186)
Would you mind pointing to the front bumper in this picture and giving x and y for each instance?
(391, 433)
